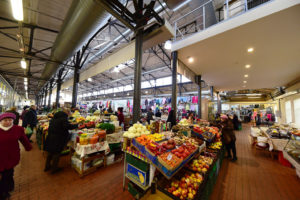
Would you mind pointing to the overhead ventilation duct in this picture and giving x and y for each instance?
(83, 19)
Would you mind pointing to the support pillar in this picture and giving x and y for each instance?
(75, 86)
(45, 99)
(57, 93)
(198, 79)
(212, 93)
(50, 93)
(219, 103)
(137, 76)
(174, 63)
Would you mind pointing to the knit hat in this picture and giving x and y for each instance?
(7, 115)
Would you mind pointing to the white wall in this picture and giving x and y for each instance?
(283, 117)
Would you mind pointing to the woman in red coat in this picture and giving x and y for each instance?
(10, 135)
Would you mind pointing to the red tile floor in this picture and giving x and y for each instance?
(251, 177)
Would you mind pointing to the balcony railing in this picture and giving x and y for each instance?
(195, 20)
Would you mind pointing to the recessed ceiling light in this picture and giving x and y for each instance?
(247, 66)
(245, 81)
(250, 49)
(191, 59)
(90, 79)
(168, 45)
(246, 75)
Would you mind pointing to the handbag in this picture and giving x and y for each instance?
(28, 130)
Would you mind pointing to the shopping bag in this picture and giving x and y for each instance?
(28, 131)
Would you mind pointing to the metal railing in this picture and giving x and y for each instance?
(195, 19)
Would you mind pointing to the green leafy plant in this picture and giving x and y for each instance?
(110, 128)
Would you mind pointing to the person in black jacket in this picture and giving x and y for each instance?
(228, 137)
(235, 122)
(30, 119)
(172, 118)
(58, 136)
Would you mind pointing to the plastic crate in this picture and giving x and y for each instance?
(137, 163)
(283, 161)
(114, 146)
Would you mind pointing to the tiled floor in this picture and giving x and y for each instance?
(251, 177)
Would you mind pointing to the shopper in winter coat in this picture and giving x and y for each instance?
(10, 135)
(30, 119)
(158, 113)
(172, 118)
(14, 111)
(228, 136)
(58, 136)
(149, 115)
(120, 116)
(235, 122)
(25, 110)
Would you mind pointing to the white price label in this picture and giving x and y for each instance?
(169, 157)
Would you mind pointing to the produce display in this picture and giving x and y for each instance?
(184, 122)
(170, 144)
(179, 140)
(200, 164)
(184, 150)
(170, 160)
(155, 148)
(215, 145)
(110, 128)
(206, 132)
(186, 187)
(91, 138)
(156, 137)
(136, 130)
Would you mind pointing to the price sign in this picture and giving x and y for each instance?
(169, 157)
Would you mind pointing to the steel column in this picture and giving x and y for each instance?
(45, 100)
(50, 93)
(174, 63)
(137, 75)
(75, 86)
(219, 103)
(212, 93)
(58, 82)
(199, 96)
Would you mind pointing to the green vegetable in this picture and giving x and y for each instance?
(110, 128)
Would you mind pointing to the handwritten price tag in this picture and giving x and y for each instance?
(169, 157)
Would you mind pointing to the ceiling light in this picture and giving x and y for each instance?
(90, 79)
(246, 75)
(25, 83)
(23, 63)
(17, 9)
(128, 94)
(114, 95)
(245, 81)
(191, 59)
(250, 49)
(168, 45)
(247, 66)
(116, 69)
(25, 79)
(146, 92)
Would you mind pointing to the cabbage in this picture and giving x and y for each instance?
(138, 130)
(132, 130)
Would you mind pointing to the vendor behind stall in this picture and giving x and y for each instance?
(58, 136)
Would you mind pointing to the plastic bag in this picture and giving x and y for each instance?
(28, 131)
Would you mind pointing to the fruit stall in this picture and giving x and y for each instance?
(91, 144)
(172, 164)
